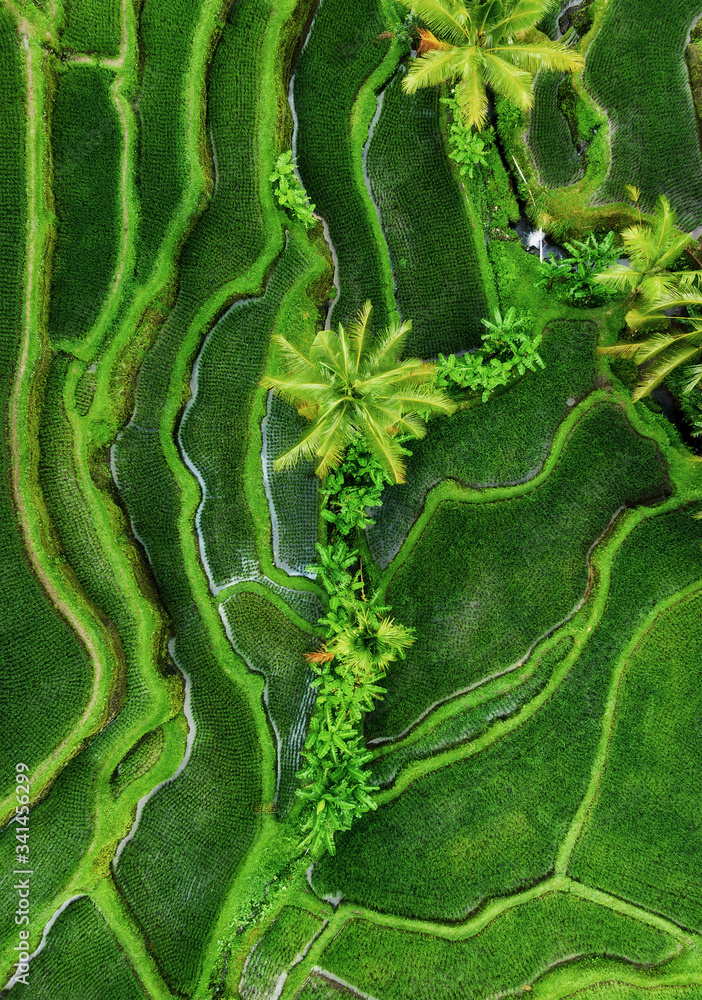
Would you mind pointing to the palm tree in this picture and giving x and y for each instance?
(654, 289)
(479, 45)
(352, 384)
(651, 249)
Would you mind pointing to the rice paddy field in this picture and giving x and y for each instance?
(535, 817)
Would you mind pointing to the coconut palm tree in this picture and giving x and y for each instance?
(651, 249)
(488, 44)
(350, 384)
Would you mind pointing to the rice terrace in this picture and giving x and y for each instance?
(351, 499)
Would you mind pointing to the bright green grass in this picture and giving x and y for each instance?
(642, 837)
(438, 280)
(274, 647)
(486, 580)
(283, 943)
(486, 826)
(341, 53)
(655, 142)
(514, 950)
(493, 817)
(316, 987)
(214, 430)
(81, 961)
(470, 723)
(86, 151)
(92, 26)
(499, 443)
(46, 672)
(166, 31)
(195, 832)
(550, 138)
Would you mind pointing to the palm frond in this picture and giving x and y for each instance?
(387, 451)
(425, 398)
(296, 390)
(663, 366)
(432, 69)
(295, 360)
(359, 334)
(653, 313)
(429, 42)
(470, 92)
(524, 15)
(335, 432)
(509, 80)
(389, 348)
(621, 277)
(541, 55)
(412, 424)
(693, 376)
(445, 18)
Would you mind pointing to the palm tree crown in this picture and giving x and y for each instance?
(488, 44)
(651, 250)
(350, 384)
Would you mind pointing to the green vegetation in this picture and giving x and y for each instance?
(95, 966)
(85, 140)
(273, 646)
(485, 445)
(514, 950)
(435, 255)
(283, 944)
(341, 54)
(550, 138)
(655, 142)
(645, 817)
(484, 45)
(489, 584)
(354, 383)
(92, 27)
(456, 755)
(290, 192)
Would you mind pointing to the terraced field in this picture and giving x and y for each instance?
(535, 823)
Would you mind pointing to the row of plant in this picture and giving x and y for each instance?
(213, 433)
(93, 28)
(163, 170)
(90, 959)
(434, 251)
(278, 949)
(469, 723)
(653, 754)
(558, 160)
(340, 55)
(484, 446)
(273, 646)
(655, 142)
(31, 631)
(497, 560)
(86, 169)
(514, 950)
(212, 256)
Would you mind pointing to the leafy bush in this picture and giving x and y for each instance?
(468, 147)
(351, 489)
(576, 276)
(507, 347)
(289, 191)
